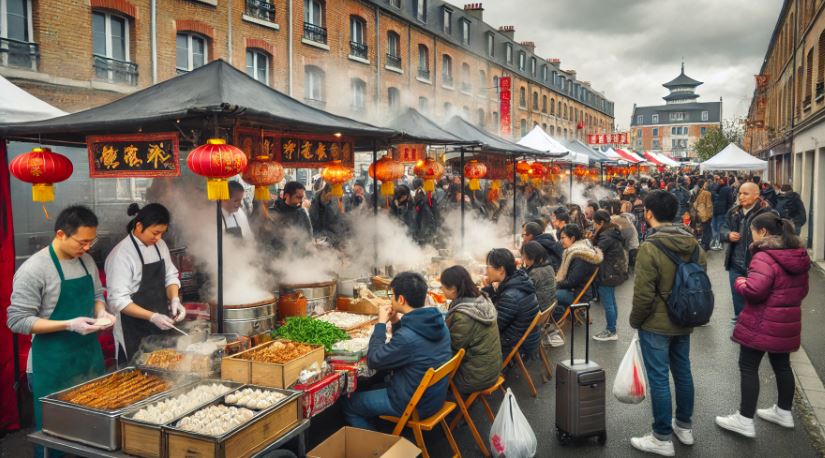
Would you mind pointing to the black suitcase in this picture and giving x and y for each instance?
(580, 393)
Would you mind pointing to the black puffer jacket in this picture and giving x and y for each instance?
(722, 200)
(739, 254)
(552, 247)
(517, 306)
(683, 196)
(789, 206)
(286, 225)
(613, 271)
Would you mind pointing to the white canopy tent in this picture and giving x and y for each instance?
(540, 140)
(17, 105)
(733, 157)
(612, 154)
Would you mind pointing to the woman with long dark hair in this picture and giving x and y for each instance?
(613, 272)
(771, 321)
(142, 281)
(472, 321)
(536, 263)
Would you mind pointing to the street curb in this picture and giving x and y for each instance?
(810, 398)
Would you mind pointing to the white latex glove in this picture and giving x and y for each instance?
(104, 314)
(163, 322)
(82, 325)
(177, 310)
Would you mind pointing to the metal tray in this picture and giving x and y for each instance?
(291, 395)
(95, 427)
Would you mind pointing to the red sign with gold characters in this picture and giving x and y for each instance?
(606, 139)
(133, 155)
(295, 150)
(409, 153)
(504, 84)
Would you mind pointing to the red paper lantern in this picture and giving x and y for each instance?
(537, 172)
(523, 170)
(42, 168)
(263, 173)
(475, 171)
(386, 170)
(430, 171)
(336, 175)
(217, 161)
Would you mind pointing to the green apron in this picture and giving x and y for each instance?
(65, 358)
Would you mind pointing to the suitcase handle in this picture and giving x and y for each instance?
(573, 308)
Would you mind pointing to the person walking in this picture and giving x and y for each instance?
(771, 321)
(722, 202)
(789, 206)
(665, 345)
(613, 271)
(736, 229)
(704, 210)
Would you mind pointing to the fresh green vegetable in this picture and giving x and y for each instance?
(309, 330)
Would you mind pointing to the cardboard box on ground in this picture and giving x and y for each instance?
(350, 442)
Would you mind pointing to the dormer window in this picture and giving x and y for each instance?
(447, 20)
(465, 31)
(491, 44)
(508, 53)
(522, 60)
(421, 10)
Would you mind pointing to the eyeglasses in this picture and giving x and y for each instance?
(90, 243)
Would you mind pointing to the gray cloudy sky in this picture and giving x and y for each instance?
(628, 48)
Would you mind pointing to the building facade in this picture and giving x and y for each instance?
(361, 58)
(675, 127)
(786, 120)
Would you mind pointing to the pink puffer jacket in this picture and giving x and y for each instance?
(777, 282)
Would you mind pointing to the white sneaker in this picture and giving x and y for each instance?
(650, 444)
(738, 424)
(776, 415)
(684, 435)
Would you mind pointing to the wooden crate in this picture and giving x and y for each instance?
(273, 375)
(142, 441)
(243, 443)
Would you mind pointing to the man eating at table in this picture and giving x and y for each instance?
(420, 340)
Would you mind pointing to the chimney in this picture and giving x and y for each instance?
(554, 60)
(531, 46)
(475, 10)
(508, 30)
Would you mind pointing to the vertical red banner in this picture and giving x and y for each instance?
(9, 420)
(504, 84)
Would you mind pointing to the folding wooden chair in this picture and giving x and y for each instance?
(562, 321)
(544, 320)
(514, 354)
(410, 416)
(464, 411)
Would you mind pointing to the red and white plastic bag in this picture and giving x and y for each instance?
(630, 386)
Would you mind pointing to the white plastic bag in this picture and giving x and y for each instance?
(630, 386)
(511, 434)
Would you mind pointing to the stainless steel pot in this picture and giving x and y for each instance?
(320, 296)
(246, 319)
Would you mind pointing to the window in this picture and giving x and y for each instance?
(447, 70)
(564, 116)
(553, 107)
(495, 84)
(465, 112)
(482, 81)
(423, 62)
(192, 52)
(423, 105)
(448, 109)
(480, 117)
(465, 31)
(704, 116)
(260, 9)
(421, 10)
(394, 98)
(491, 44)
(535, 101)
(314, 29)
(257, 65)
(447, 20)
(523, 127)
(640, 119)
(314, 83)
(466, 86)
(656, 144)
(544, 73)
(508, 53)
(533, 66)
(677, 116)
(395, 3)
(393, 50)
(522, 97)
(359, 91)
(495, 120)
(358, 44)
(110, 48)
(522, 61)
(703, 131)
(544, 104)
(655, 132)
(674, 130)
(654, 119)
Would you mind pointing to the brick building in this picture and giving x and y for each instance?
(675, 127)
(358, 58)
(786, 120)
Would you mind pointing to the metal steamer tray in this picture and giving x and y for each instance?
(95, 427)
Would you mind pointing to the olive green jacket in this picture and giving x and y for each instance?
(473, 327)
(655, 274)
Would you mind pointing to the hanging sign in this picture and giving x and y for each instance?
(605, 139)
(496, 167)
(504, 84)
(295, 150)
(133, 155)
(409, 153)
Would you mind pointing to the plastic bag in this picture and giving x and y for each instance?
(630, 386)
(511, 434)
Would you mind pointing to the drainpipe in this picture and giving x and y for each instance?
(289, 47)
(229, 32)
(377, 56)
(154, 40)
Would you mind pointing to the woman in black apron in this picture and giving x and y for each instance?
(148, 312)
(230, 209)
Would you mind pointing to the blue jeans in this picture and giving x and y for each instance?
(607, 296)
(662, 354)
(564, 299)
(362, 408)
(738, 300)
(716, 224)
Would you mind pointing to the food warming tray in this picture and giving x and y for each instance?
(98, 428)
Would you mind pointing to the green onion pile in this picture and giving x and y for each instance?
(309, 330)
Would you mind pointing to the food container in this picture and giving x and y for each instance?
(245, 440)
(98, 428)
(275, 375)
(146, 439)
(318, 396)
(320, 297)
(246, 319)
(367, 322)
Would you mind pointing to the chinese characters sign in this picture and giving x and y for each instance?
(604, 139)
(123, 156)
(408, 153)
(296, 151)
(504, 109)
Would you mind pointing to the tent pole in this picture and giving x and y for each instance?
(601, 173)
(219, 228)
(375, 210)
(515, 229)
(570, 196)
(461, 166)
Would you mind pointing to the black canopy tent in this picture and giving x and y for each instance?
(209, 101)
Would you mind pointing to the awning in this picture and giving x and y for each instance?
(612, 154)
(651, 158)
(488, 142)
(17, 105)
(629, 156)
(416, 128)
(540, 140)
(666, 160)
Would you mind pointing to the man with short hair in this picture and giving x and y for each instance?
(665, 346)
(420, 340)
(58, 298)
(736, 229)
(533, 231)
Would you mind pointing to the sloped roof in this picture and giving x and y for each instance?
(17, 105)
(215, 89)
(416, 128)
(579, 147)
(488, 142)
(682, 80)
(540, 140)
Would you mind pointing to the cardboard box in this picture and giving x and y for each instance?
(350, 442)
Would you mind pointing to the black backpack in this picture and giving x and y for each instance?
(690, 302)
